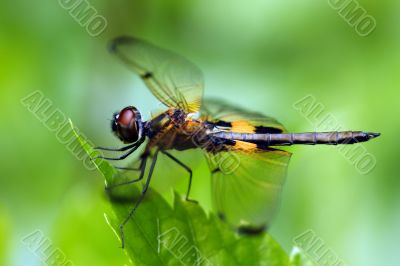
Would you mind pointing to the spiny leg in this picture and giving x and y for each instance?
(187, 169)
(127, 168)
(143, 193)
(133, 148)
(141, 168)
(118, 158)
(116, 149)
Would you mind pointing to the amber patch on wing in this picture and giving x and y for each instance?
(242, 126)
(244, 146)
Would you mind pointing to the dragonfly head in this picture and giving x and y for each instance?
(127, 125)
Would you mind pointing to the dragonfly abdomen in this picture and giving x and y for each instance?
(308, 138)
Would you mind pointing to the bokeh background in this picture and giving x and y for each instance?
(262, 55)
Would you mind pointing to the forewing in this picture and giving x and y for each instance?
(246, 186)
(172, 79)
(240, 120)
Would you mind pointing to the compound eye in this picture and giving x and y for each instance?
(127, 125)
(126, 117)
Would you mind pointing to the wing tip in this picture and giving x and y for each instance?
(246, 230)
(251, 230)
(113, 44)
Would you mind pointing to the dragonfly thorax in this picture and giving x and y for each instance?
(177, 116)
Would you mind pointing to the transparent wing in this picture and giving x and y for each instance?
(246, 181)
(239, 119)
(172, 79)
(246, 186)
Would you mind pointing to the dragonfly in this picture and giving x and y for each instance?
(242, 147)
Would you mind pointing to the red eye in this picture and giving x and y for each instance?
(126, 125)
(126, 117)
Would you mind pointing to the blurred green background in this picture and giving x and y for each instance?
(262, 55)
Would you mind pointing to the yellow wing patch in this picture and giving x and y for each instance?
(244, 146)
(242, 126)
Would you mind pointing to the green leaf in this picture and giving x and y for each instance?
(299, 258)
(160, 234)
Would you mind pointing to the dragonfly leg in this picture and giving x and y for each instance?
(127, 168)
(141, 168)
(143, 193)
(115, 149)
(118, 158)
(133, 148)
(187, 169)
